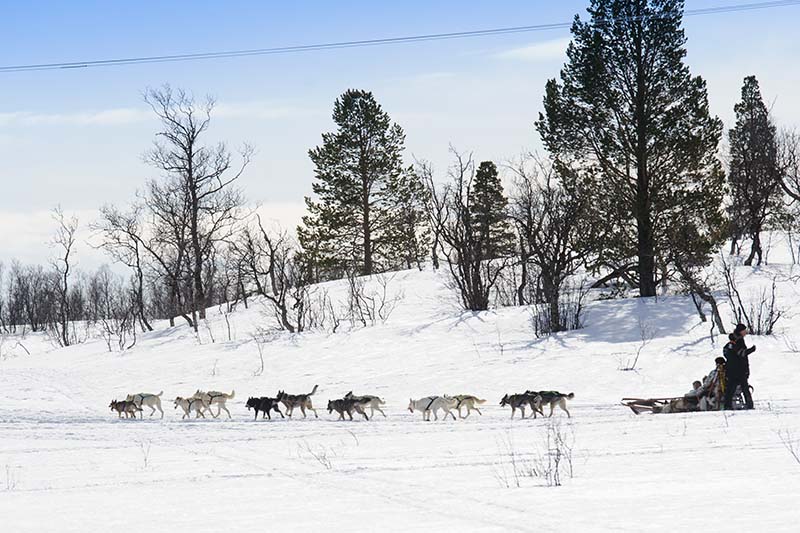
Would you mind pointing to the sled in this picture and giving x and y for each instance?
(639, 405)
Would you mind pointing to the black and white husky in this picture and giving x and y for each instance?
(373, 402)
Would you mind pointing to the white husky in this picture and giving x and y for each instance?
(431, 404)
(153, 401)
(198, 405)
(217, 398)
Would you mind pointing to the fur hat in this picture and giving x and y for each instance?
(739, 328)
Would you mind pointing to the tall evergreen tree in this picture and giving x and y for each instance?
(630, 122)
(754, 176)
(348, 223)
(488, 207)
(409, 236)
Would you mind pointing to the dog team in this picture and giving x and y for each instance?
(202, 402)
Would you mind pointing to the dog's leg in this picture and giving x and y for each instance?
(449, 412)
(160, 410)
(379, 410)
(279, 411)
(552, 406)
(479, 411)
(303, 410)
(564, 407)
(222, 406)
(513, 410)
(522, 410)
(315, 412)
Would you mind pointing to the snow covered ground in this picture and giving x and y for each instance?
(68, 464)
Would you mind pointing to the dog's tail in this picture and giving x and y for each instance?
(381, 401)
(479, 401)
(313, 390)
(160, 393)
(571, 395)
(231, 395)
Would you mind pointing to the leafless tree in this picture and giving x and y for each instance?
(122, 239)
(434, 208)
(551, 227)
(197, 180)
(761, 312)
(473, 273)
(64, 243)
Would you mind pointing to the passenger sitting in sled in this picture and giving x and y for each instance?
(714, 385)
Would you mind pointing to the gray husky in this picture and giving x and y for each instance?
(553, 398)
(303, 401)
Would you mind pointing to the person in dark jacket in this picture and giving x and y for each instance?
(737, 372)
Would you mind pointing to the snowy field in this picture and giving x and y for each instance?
(68, 464)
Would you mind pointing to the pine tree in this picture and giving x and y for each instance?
(488, 208)
(348, 223)
(631, 123)
(754, 176)
(409, 235)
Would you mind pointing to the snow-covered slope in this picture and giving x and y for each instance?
(68, 464)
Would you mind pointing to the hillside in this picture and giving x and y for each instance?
(64, 455)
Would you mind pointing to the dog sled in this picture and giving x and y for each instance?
(681, 404)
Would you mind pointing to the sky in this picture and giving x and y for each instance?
(75, 138)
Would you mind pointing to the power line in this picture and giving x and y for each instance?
(360, 43)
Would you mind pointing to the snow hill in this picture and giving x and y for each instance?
(68, 464)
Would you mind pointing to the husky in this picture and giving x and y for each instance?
(553, 398)
(373, 402)
(217, 398)
(303, 401)
(468, 401)
(153, 401)
(198, 405)
(431, 404)
(348, 405)
(125, 406)
(265, 405)
(519, 401)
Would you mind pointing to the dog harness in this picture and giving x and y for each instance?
(431, 403)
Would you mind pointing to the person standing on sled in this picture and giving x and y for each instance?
(737, 372)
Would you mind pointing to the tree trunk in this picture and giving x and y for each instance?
(755, 249)
(551, 296)
(642, 208)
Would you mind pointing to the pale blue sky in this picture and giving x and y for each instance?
(75, 137)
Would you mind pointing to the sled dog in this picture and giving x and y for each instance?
(431, 404)
(468, 401)
(265, 405)
(348, 405)
(519, 401)
(125, 406)
(553, 399)
(198, 405)
(217, 398)
(373, 402)
(303, 401)
(141, 399)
